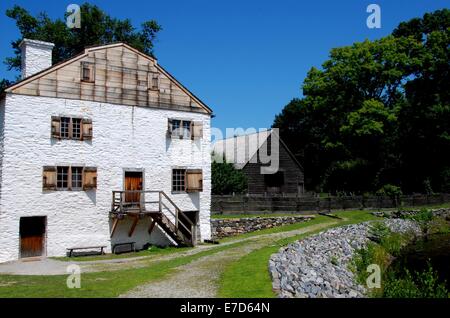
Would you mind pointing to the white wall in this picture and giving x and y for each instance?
(124, 137)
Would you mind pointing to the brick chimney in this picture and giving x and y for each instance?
(36, 56)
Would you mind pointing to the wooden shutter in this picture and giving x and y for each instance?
(91, 71)
(154, 84)
(196, 130)
(194, 180)
(56, 127)
(87, 129)
(169, 127)
(49, 178)
(89, 178)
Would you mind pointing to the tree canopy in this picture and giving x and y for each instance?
(97, 28)
(226, 179)
(377, 113)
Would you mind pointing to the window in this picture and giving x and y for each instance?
(180, 128)
(62, 178)
(186, 131)
(76, 128)
(274, 180)
(87, 72)
(178, 180)
(77, 178)
(69, 178)
(154, 81)
(71, 128)
(65, 127)
(187, 180)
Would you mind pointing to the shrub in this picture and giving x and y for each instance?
(423, 284)
(226, 179)
(392, 191)
(423, 218)
(377, 231)
(394, 242)
(372, 254)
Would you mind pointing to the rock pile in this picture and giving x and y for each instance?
(229, 227)
(318, 266)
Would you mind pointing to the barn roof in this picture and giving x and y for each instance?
(240, 150)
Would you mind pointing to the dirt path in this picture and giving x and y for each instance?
(200, 277)
(49, 266)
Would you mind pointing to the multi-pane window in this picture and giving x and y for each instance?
(62, 178)
(77, 178)
(76, 128)
(69, 178)
(178, 180)
(187, 180)
(186, 132)
(185, 129)
(71, 128)
(65, 127)
(180, 128)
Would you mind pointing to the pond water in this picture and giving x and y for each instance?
(436, 250)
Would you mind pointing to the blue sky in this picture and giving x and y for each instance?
(245, 59)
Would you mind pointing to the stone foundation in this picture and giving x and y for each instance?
(229, 227)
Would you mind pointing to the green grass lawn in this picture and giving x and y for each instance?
(249, 276)
(99, 284)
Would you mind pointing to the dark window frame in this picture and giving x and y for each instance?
(90, 69)
(178, 180)
(65, 180)
(181, 128)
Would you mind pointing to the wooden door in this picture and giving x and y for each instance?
(133, 181)
(32, 236)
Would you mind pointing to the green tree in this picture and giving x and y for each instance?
(376, 112)
(226, 179)
(97, 28)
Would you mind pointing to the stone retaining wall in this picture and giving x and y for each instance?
(441, 212)
(229, 227)
(318, 266)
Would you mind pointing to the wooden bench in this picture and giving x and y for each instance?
(71, 249)
(124, 244)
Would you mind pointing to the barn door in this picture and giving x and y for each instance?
(133, 181)
(32, 236)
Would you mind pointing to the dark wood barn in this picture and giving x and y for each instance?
(253, 152)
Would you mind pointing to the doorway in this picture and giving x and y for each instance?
(133, 182)
(32, 236)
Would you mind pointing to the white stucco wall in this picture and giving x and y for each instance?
(124, 137)
(36, 56)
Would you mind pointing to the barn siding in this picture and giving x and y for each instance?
(293, 173)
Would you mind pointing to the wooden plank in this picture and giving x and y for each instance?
(133, 226)
(114, 226)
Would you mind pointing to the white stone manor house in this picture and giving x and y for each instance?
(104, 149)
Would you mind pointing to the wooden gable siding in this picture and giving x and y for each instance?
(122, 76)
(293, 173)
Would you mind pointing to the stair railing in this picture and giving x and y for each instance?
(184, 221)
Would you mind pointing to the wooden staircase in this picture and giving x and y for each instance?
(182, 230)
